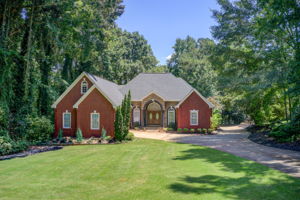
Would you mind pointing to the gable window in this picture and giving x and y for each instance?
(136, 115)
(194, 117)
(67, 119)
(84, 86)
(95, 121)
(171, 116)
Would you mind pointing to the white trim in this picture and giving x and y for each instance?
(67, 112)
(210, 105)
(150, 94)
(70, 87)
(191, 112)
(87, 86)
(91, 120)
(80, 100)
(171, 109)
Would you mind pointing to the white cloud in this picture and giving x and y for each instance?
(169, 57)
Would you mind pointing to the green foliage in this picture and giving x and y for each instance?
(179, 130)
(216, 119)
(38, 129)
(192, 130)
(210, 130)
(170, 129)
(60, 135)
(199, 130)
(79, 137)
(129, 136)
(119, 125)
(8, 146)
(185, 130)
(172, 125)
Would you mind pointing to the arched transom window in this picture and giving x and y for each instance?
(84, 86)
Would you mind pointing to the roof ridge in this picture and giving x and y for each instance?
(93, 76)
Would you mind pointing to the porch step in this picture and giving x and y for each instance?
(153, 128)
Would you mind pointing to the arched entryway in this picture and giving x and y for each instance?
(153, 113)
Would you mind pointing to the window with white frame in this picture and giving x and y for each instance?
(95, 121)
(136, 115)
(84, 86)
(67, 119)
(194, 117)
(171, 116)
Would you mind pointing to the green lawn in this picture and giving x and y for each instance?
(142, 169)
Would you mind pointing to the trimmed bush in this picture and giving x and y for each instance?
(216, 120)
(8, 146)
(79, 135)
(170, 129)
(179, 130)
(210, 130)
(204, 131)
(192, 130)
(129, 136)
(38, 129)
(199, 130)
(60, 135)
(185, 130)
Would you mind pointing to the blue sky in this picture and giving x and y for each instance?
(163, 21)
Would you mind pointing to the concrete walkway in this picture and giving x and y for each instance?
(234, 140)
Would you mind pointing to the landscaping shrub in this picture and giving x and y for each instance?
(136, 124)
(79, 135)
(172, 125)
(204, 130)
(8, 146)
(179, 130)
(192, 130)
(199, 130)
(170, 129)
(185, 130)
(216, 119)
(129, 136)
(60, 135)
(210, 130)
(38, 129)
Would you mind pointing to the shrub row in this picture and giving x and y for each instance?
(198, 130)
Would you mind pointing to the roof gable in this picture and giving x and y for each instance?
(210, 105)
(81, 76)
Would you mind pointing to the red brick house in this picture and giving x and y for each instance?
(158, 99)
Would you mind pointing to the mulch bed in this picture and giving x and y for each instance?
(32, 150)
(261, 137)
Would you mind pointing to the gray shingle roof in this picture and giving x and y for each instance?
(110, 89)
(166, 85)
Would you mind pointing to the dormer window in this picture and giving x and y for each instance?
(84, 86)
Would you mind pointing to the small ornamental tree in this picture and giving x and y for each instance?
(119, 125)
(79, 135)
(127, 114)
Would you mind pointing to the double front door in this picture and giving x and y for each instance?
(154, 117)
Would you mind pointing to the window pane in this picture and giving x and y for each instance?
(95, 121)
(194, 118)
(171, 116)
(67, 120)
(136, 115)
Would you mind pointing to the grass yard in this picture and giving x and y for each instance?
(142, 169)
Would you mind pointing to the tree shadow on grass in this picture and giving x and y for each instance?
(253, 181)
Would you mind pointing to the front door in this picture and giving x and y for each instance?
(154, 117)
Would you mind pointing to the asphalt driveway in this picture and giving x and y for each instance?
(234, 140)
